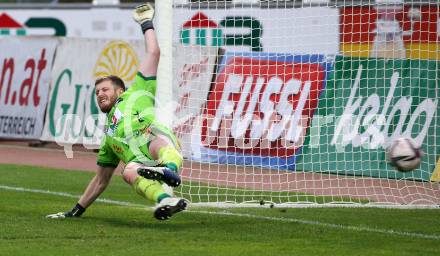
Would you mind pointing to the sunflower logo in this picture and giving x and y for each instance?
(119, 59)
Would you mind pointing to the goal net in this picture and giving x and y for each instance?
(294, 103)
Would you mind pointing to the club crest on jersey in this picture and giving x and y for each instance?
(117, 116)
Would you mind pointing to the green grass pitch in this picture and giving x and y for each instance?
(27, 195)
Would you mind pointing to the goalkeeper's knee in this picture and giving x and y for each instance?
(170, 157)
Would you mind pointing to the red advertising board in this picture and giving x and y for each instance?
(358, 24)
(417, 27)
(262, 106)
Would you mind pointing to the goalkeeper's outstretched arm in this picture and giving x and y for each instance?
(96, 186)
(143, 15)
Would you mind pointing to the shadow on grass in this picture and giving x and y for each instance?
(148, 221)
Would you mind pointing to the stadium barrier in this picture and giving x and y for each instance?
(24, 85)
(72, 115)
(323, 30)
(366, 104)
(213, 126)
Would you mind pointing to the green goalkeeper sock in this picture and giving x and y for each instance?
(150, 189)
(170, 157)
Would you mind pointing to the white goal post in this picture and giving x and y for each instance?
(294, 103)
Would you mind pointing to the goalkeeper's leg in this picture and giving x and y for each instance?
(147, 188)
(165, 150)
(153, 190)
(163, 147)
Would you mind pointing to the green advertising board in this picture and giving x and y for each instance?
(366, 104)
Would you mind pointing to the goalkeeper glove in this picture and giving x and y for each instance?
(76, 211)
(143, 14)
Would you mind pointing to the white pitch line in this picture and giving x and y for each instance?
(282, 219)
(328, 225)
(56, 150)
(48, 192)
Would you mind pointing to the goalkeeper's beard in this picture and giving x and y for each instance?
(106, 104)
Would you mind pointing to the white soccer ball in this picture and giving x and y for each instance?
(404, 154)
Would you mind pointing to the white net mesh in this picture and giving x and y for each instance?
(296, 102)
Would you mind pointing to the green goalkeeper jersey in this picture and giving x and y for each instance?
(129, 124)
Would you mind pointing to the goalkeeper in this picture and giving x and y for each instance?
(132, 135)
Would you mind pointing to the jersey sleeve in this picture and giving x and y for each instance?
(143, 83)
(106, 157)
